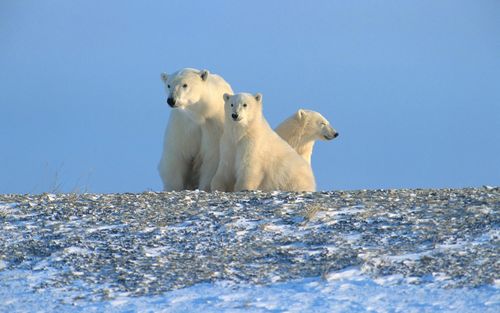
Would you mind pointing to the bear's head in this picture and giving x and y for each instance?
(315, 126)
(184, 87)
(242, 108)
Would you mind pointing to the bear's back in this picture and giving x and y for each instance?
(220, 84)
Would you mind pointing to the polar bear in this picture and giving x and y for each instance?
(303, 128)
(253, 156)
(191, 143)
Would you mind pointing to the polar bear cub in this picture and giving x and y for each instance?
(303, 128)
(253, 156)
(191, 145)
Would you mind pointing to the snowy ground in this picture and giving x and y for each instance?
(359, 251)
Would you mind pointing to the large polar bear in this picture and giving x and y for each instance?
(303, 128)
(191, 144)
(253, 156)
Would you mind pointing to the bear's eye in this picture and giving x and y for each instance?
(168, 86)
(184, 86)
(232, 105)
(244, 105)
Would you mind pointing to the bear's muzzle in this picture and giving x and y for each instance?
(171, 102)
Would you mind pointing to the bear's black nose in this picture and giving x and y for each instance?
(171, 102)
(234, 116)
(336, 135)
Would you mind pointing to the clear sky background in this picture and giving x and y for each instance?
(413, 87)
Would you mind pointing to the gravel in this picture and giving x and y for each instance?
(102, 245)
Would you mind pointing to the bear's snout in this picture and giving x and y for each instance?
(331, 136)
(234, 116)
(171, 102)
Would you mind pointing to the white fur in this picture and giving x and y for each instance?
(253, 156)
(191, 146)
(303, 128)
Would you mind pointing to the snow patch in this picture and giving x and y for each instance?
(344, 291)
(154, 251)
(77, 250)
(346, 274)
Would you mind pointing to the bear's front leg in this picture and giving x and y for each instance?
(219, 182)
(173, 171)
(207, 171)
(210, 141)
(224, 177)
(248, 178)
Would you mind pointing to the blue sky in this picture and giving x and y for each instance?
(413, 87)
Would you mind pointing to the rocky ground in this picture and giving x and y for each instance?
(146, 244)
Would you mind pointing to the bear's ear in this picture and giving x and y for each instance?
(227, 96)
(301, 114)
(164, 77)
(204, 74)
(258, 97)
